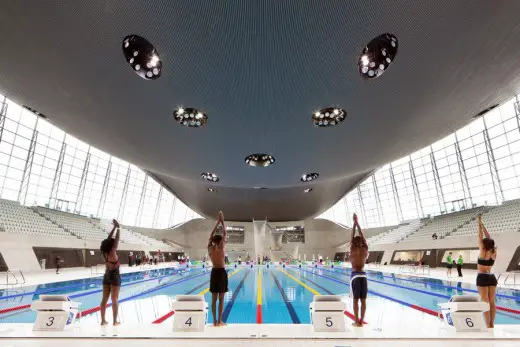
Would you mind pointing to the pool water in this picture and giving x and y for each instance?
(256, 295)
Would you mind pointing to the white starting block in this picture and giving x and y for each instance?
(54, 312)
(327, 313)
(191, 313)
(465, 313)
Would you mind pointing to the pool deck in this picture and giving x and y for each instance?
(255, 335)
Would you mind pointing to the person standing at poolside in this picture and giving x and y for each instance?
(358, 278)
(218, 285)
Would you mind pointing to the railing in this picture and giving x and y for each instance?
(374, 265)
(14, 277)
(97, 270)
(415, 269)
(507, 276)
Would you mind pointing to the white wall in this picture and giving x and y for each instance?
(321, 237)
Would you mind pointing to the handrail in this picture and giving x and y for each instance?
(17, 281)
(507, 275)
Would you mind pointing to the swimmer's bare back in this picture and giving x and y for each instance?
(358, 248)
(216, 254)
(216, 250)
(358, 258)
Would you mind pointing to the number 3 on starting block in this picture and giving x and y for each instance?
(50, 321)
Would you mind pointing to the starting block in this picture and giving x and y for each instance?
(465, 313)
(54, 312)
(191, 313)
(327, 313)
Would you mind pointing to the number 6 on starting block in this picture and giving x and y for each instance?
(465, 313)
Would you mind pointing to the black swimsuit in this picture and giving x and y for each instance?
(112, 277)
(485, 279)
(218, 282)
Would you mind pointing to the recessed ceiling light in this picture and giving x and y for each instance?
(190, 117)
(308, 190)
(309, 177)
(208, 176)
(142, 57)
(483, 112)
(37, 113)
(329, 117)
(377, 56)
(212, 190)
(259, 159)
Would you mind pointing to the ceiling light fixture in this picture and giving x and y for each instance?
(484, 111)
(329, 117)
(259, 159)
(212, 190)
(377, 56)
(309, 177)
(208, 176)
(308, 190)
(41, 115)
(142, 57)
(190, 117)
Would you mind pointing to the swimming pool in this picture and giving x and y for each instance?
(256, 295)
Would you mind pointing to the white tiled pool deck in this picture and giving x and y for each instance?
(253, 335)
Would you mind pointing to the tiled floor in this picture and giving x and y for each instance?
(255, 335)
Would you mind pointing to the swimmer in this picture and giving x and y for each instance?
(486, 280)
(219, 279)
(449, 261)
(358, 278)
(112, 277)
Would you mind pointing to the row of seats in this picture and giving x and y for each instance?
(396, 234)
(77, 225)
(129, 236)
(498, 219)
(442, 225)
(19, 219)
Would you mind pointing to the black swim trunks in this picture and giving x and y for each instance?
(112, 277)
(218, 281)
(486, 280)
(359, 285)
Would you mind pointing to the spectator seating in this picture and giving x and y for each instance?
(396, 234)
(19, 219)
(443, 224)
(75, 224)
(498, 219)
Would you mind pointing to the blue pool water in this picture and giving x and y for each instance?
(285, 293)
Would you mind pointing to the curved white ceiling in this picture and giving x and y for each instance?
(259, 69)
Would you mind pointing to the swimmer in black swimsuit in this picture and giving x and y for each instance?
(486, 280)
(112, 277)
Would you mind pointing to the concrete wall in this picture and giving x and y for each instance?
(18, 253)
(321, 236)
